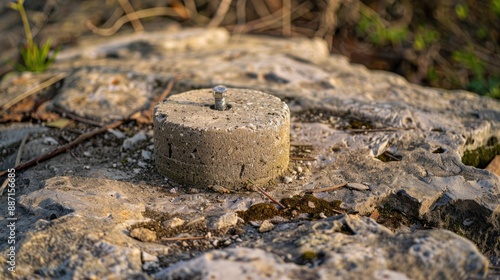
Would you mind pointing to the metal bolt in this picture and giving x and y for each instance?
(220, 93)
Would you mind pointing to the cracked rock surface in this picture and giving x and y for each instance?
(398, 145)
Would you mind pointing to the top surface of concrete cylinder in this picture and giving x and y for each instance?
(249, 141)
(250, 109)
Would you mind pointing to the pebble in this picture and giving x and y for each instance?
(143, 234)
(173, 223)
(118, 134)
(299, 169)
(224, 221)
(287, 180)
(131, 142)
(357, 186)
(147, 155)
(146, 257)
(322, 215)
(50, 141)
(266, 226)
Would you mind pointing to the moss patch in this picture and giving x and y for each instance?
(482, 156)
(259, 212)
(306, 204)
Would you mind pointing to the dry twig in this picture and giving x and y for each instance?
(182, 238)
(220, 14)
(260, 190)
(34, 90)
(131, 15)
(153, 12)
(18, 160)
(303, 158)
(75, 117)
(327, 188)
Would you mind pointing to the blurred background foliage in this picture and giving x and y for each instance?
(452, 44)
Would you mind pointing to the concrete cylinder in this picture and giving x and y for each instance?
(198, 145)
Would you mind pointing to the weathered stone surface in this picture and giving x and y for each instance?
(104, 94)
(346, 247)
(398, 144)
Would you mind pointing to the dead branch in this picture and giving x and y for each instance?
(131, 15)
(303, 158)
(182, 238)
(34, 90)
(220, 14)
(327, 189)
(153, 12)
(261, 191)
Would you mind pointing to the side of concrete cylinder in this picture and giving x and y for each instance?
(244, 144)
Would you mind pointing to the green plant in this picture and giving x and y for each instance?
(425, 37)
(35, 58)
(470, 61)
(495, 5)
(372, 25)
(462, 11)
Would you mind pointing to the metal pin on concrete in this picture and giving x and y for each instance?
(220, 93)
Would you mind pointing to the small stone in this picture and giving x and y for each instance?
(266, 226)
(118, 134)
(215, 242)
(467, 222)
(173, 190)
(147, 155)
(287, 180)
(50, 141)
(146, 257)
(322, 215)
(227, 242)
(143, 234)
(311, 204)
(173, 223)
(224, 221)
(357, 186)
(87, 167)
(132, 142)
(87, 154)
(197, 220)
(185, 244)
(299, 169)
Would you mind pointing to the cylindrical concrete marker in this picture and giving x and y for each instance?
(199, 145)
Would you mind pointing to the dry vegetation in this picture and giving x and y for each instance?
(451, 44)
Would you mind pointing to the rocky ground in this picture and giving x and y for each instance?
(411, 209)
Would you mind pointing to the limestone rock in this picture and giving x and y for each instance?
(400, 144)
(266, 226)
(224, 221)
(344, 247)
(174, 222)
(234, 264)
(104, 94)
(143, 234)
